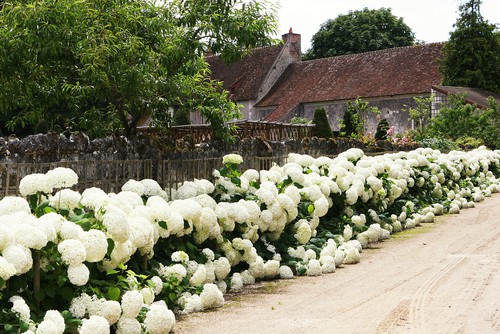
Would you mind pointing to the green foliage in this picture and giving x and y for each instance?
(444, 145)
(100, 67)
(465, 120)
(181, 118)
(300, 120)
(321, 127)
(467, 142)
(360, 31)
(471, 58)
(382, 128)
(355, 119)
(420, 115)
(348, 124)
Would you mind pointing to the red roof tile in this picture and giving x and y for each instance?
(397, 71)
(244, 78)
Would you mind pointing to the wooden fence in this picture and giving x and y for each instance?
(111, 175)
(274, 131)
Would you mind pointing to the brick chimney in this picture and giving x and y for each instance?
(292, 42)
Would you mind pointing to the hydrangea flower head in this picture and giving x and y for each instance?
(232, 159)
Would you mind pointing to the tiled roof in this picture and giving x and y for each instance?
(397, 71)
(472, 95)
(243, 78)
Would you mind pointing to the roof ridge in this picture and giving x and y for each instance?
(250, 51)
(352, 55)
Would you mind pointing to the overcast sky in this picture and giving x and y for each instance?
(430, 20)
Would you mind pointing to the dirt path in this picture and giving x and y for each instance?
(438, 278)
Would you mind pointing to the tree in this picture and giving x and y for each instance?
(360, 31)
(355, 120)
(99, 66)
(471, 58)
(321, 127)
(420, 115)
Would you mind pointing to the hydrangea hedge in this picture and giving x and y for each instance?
(124, 263)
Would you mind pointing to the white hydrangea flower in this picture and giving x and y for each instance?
(236, 282)
(309, 255)
(247, 278)
(176, 270)
(347, 233)
(62, 177)
(152, 188)
(158, 284)
(134, 186)
(232, 159)
(47, 327)
(327, 264)
(20, 307)
(128, 326)
(29, 236)
(339, 256)
(131, 303)
(359, 220)
(222, 268)
(34, 183)
(78, 306)
(321, 207)
(96, 245)
(159, 319)
(285, 272)
(78, 274)
(211, 296)
(180, 256)
(303, 233)
(94, 198)
(256, 268)
(271, 268)
(13, 204)
(199, 276)
(352, 254)
(70, 230)
(57, 319)
(108, 309)
(190, 303)
(19, 257)
(7, 270)
(148, 295)
(95, 325)
(116, 223)
(72, 252)
(66, 199)
(313, 268)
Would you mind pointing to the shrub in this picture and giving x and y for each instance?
(321, 127)
(382, 128)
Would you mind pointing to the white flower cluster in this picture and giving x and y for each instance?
(57, 178)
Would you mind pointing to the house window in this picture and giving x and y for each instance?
(439, 101)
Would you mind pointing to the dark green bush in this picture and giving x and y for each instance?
(321, 127)
(382, 128)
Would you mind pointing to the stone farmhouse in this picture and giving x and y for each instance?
(273, 84)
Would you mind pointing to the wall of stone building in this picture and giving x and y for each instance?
(392, 108)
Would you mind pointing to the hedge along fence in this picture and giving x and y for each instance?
(100, 263)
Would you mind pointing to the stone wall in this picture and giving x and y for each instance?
(53, 147)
